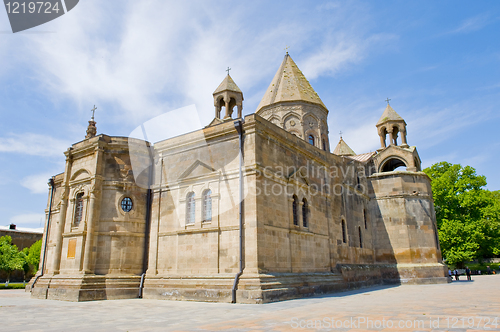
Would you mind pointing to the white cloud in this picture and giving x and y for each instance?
(341, 51)
(33, 144)
(31, 219)
(471, 24)
(37, 184)
(157, 56)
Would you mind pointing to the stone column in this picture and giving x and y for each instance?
(93, 212)
(227, 109)
(403, 138)
(217, 111)
(56, 263)
(90, 233)
(240, 111)
(153, 235)
(382, 140)
(391, 138)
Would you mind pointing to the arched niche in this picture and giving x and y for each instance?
(392, 163)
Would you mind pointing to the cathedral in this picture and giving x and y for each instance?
(249, 209)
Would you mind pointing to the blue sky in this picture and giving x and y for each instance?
(438, 61)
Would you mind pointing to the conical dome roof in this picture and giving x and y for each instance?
(342, 149)
(389, 115)
(289, 84)
(227, 85)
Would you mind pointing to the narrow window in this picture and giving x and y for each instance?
(311, 139)
(207, 205)
(305, 212)
(190, 208)
(344, 237)
(78, 209)
(360, 238)
(295, 206)
(364, 217)
(324, 144)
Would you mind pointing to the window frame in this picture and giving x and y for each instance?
(190, 208)
(310, 138)
(295, 210)
(78, 216)
(207, 202)
(305, 213)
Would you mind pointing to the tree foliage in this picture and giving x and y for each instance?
(468, 216)
(10, 257)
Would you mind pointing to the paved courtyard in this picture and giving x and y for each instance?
(459, 306)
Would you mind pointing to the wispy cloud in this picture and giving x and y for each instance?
(471, 24)
(340, 52)
(37, 184)
(157, 56)
(33, 144)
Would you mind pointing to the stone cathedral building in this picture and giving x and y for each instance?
(248, 209)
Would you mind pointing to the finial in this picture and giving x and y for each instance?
(340, 133)
(91, 129)
(388, 100)
(228, 69)
(286, 49)
(93, 112)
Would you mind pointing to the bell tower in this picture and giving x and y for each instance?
(226, 97)
(391, 124)
(392, 155)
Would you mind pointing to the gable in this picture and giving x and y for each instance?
(198, 168)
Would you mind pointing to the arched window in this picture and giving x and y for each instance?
(78, 209)
(207, 205)
(295, 207)
(305, 213)
(190, 208)
(360, 238)
(344, 235)
(324, 144)
(311, 139)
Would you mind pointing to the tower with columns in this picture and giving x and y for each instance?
(390, 125)
(227, 96)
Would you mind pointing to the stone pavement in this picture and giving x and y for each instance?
(459, 306)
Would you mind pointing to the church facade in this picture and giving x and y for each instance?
(248, 209)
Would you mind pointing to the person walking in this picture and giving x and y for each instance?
(449, 274)
(467, 272)
(488, 269)
(456, 274)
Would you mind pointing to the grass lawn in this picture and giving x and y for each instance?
(13, 285)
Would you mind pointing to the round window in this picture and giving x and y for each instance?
(127, 204)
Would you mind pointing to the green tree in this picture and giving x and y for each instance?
(468, 216)
(10, 258)
(31, 258)
(34, 254)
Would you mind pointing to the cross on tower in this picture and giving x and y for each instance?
(286, 49)
(228, 69)
(388, 100)
(340, 134)
(93, 112)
